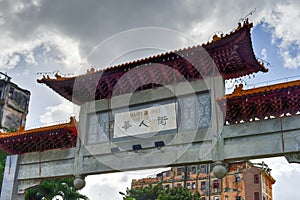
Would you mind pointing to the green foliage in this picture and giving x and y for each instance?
(178, 193)
(53, 188)
(157, 192)
(2, 166)
(147, 193)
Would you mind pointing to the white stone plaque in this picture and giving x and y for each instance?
(146, 120)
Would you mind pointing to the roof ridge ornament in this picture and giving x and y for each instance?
(91, 70)
(244, 20)
(238, 90)
(72, 120)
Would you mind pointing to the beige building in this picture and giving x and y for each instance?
(244, 181)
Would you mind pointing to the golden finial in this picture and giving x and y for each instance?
(238, 89)
(57, 76)
(216, 38)
(21, 129)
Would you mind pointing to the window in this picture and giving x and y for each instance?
(203, 185)
(179, 171)
(226, 197)
(179, 185)
(193, 185)
(159, 175)
(193, 170)
(188, 186)
(168, 173)
(11, 91)
(237, 179)
(216, 184)
(238, 198)
(203, 168)
(256, 195)
(256, 179)
(216, 198)
(167, 186)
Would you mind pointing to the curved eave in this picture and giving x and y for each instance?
(63, 87)
(232, 54)
(40, 139)
(240, 44)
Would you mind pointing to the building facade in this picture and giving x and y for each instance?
(244, 181)
(14, 102)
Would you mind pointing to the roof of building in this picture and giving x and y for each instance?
(232, 54)
(7, 81)
(266, 102)
(51, 137)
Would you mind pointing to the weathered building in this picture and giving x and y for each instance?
(244, 180)
(14, 102)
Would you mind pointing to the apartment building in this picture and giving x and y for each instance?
(244, 181)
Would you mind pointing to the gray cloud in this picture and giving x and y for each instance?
(90, 22)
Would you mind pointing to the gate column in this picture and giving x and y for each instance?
(10, 179)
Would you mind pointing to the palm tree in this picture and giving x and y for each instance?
(55, 188)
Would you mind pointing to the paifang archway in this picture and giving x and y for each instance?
(165, 110)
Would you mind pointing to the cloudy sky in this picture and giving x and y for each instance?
(44, 37)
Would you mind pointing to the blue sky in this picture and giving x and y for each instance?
(39, 36)
(262, 42)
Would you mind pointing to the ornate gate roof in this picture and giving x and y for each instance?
(232, 54)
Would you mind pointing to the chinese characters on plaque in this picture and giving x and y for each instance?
(148, 120)
(188, 113)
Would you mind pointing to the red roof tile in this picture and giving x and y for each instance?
(232, 54)
(262, 103)
(40, 139)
